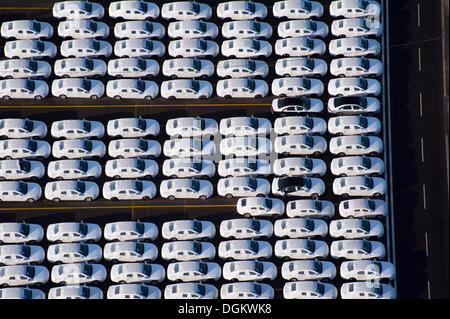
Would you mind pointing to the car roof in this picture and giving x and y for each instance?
(70, 62)
(124, 184)
(64, 185)
(68, 226)
(11, 185)
(180, 182)
(18, 63)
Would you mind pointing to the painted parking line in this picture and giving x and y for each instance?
(131, 105)
(112, 207)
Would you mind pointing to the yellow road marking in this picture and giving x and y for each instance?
(130, 105)
(113, 207)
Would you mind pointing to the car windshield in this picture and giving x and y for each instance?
(309, 43)
(195, 7)
(88, 269)
(197, 247)
(318, 205)
(147, 269)
(309, 63)
(83, 249)
(366, 162)
(203, 45)
(139, 248)
(83, 228)
(251, 65)
(368, 182)
(148, 27)
(87, 145)
(25, 166)
(256, 289)
(365, 225)
(149, 45)
(258, 267)
(30, 85)
(254, 246)
(86, 84)
(32, 65)
(39, 45)
(367, 246)
(140, 164)
(256, 45)
(141, 64)
(306, 84)
(36, 26)
(197, 226)
(363, 121)
(143, 290)
(251, 7)
(138, 185)
(371, 204)
(139, 227)
(364, 63)
(320, 288)
(140, 85)
(96, 45)
(87, 6)
(85, 292)
(143, 145)
(309, 224)
(256, 225)
(201, 26)
(312, 25)
(256, 26)
(253, 122)
(89, 64)
(87, 126)
(195, 184)
(318, 267)
(30, 271)
(22, 187)
(81, 187)
(311, 245)
(364, 43)
(306, 5)
(365, 141)
(252, 183)
(309, 141)
(201, 289)
(24, 229)
(308, 163)
(203, 268)
(251, 84)
(92, 26)
(197, 64)
(25, 251)
(194, 85)
(197, 165)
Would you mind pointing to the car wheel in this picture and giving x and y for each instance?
(247, 215)
(286, 75)
(258, 96)
(286, 258)
(117, 97)
(58, 178)
(38, 97)
(56, 199)
(260, 195)
(315, 196)
(282, 95)
(173, 77)
(228, 259)
(341, 154)
(6, 97)
(114, 199)
(373, 153)
(345, 195)
(171, 97)
(202, 97)
(228, 196)
(343, 175)
(62, 96)
(227, 96)
(90, 178)
(119, 156)
(173, 239)
(148, 97)
(118, 76)
(94, 97)
(285, 153)
(171, 197)
(204, 77)
(88, 199)
(377, 195)
(31, 200)
(146, 198)
(116, 177)
(203, 197)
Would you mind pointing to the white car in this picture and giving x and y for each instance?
(71, 232)
(80, 67)
(356, 145)
(246, 290)
(21, 293)
(357, 66)
(35, 49)
(189, 229)
(18, 233)
(133, 291)
(357, 249)
(242, 68)
(192, 127)
(24, 148)
(356, 27)
(134, 147)
(241, 10)
(133, 10)
(244, 249)
(246, 29)
(365, 270)
(185, 10)
(246, 48)
(188, 167)
(21, 169)
(310, 208)
(357, 46)
(137, 272)
(291, 125)
(243, 186)
(191, 29)
(185, 188)
(133, 68)
(132, 89)
(78, 88)
(19, 254)
(25, 68)
(23, 89)
(130, 251)
(234, 167)
(71, 190)
(309, 290)
(300, 144)
(308, 270)
(357, 165)
(26, 30)
(302, 28)
(131, 168)
(74, 253)
(362, 290)
(297, 86)
(191, 290)
(242, 88)
(249, 270)
(363, 208)
(83, 29)
(245, 146)
(77, 10)
(139, 29)
(297, 9)
(22, 128)
(193, 48)
(23, 275)
(356, 228)
(75, 291)
(299, 47)
(78, 274)
(78, 149)
(246, 228)
(354, 86)
(188, 68)
(301, 104)
(77, 129)
(300, 248)
(188, 250)
(188, 148)
(188, 271)
(130, 230)
(359, 186)
(299, 166)
(132, 127)
(349, 105)
(85, 48)
(299, 66)
(355, 8)
(300, 228)
(129, 189)
(260, 206)
(244, 126)
(143, 48)
(354, 125)
(186, 89)
(19, 191)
